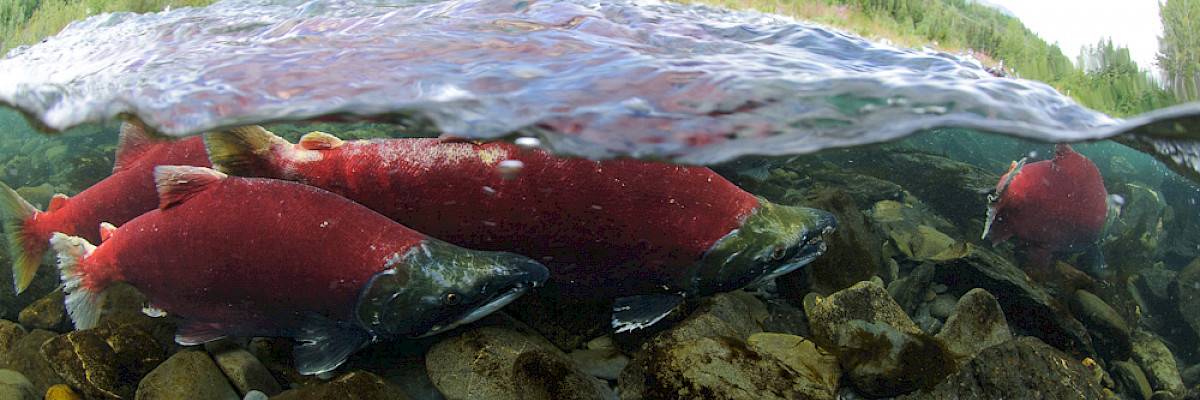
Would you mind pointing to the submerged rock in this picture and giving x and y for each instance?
(14, 386)
(25, 357)
(976, 324)
(882, 361)
(246, 373)
(46, 313)
(910, 291)
(1023, 368)
(1132, 379)
(358, 385)
(854, 248)
(10, 333)
(1157, 362)
(189, 374)
(601, 359)
(1109, 331)
(818, 366)
(105, 361)
(1187, 284)
(1027, 307)
(501, 363)
(866, 301)
(719, 367)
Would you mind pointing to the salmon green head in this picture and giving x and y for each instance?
(437, 286)
(774, 241)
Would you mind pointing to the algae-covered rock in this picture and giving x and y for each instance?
(1023, 368)
(25, 357)
(14, 386)
(882, 361)
(1027, 307)
(358, 385)
(105, 361)
(500, 363)
(909, 291)
(10, 333)
(1132, 379)
(1109, 331)
(189, 374)
(867, 301)
(246, 373)
(819, 367)
(1157, 362)
(46, 313)
(713, 367)
(976, 323)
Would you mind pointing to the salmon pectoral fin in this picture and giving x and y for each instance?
(193, 332)
(639, 311)
(327, 344)
(84, 297)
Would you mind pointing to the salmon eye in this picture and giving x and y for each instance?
(778, 253)
(451, 299)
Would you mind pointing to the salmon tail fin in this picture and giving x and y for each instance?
(83, 299)
(25, 251)
(177, 183)
(242, 151)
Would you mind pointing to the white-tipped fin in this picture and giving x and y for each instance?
(83, 303)
(177, 183)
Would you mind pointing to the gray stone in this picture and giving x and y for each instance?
(785, 318)
(358, 385)
(25, 357)
(1132, 379)
(1157, 362)
(910, 290)
(1156, 282)
(1023, 368)
(976, 324)
(500, 363)
(246, 373)
(720, 367)
(189, 374)
(14, 386)
(865, 301)
(1110, 332)
(942, 306)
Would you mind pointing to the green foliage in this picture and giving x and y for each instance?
(29, 21)
(1179, 47)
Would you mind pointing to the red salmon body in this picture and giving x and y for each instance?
(584, 217)
(1055, 205)
(646, 234)
(124, 195)
(262, 257)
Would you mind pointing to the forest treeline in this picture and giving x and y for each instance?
(1105, 78)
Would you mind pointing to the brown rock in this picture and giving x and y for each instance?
(10, 333)
(25, 357)
(246, 373)
(46, 313)
(358, 385)
(867, 301)
(976, 324)
(189, 374)
(105, 361)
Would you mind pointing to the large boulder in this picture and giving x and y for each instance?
(1023, 368)
(105, 361)
(976, 324)
(358, 385)
(866, 301)
(1109, 332)
(25, 356)
(1157, 362)
(189, 374)
(883, 362)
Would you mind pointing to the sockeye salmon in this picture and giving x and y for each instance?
(263, 257)
(647, 234)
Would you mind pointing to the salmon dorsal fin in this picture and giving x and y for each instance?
(134, 144)
(320, 141)
(106, 231)
(1062, 150)
(177, 183)
(242, 151)
(57, 202)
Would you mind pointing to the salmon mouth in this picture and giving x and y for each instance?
(498, 301)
